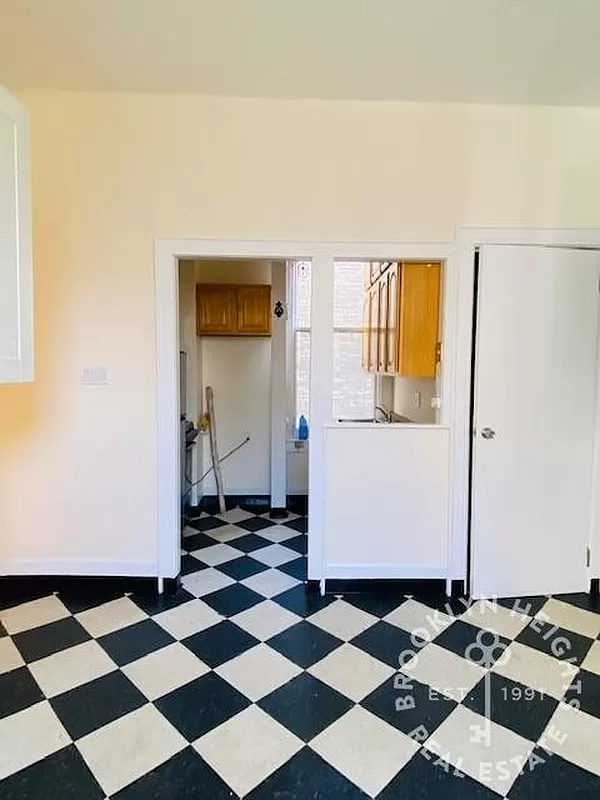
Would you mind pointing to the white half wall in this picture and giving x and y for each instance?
(386, 501)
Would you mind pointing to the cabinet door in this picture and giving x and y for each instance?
(16, 278)
(419, 319)
(375, 268)
(374, 328)
(382, 325)
(366, 331)
(392, 319)
(215, 310)
(254, 310)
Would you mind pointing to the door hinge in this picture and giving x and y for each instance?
(438, 353)
(588, 557)
(598, 285)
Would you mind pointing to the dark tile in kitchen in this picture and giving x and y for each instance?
(380, 604)
(189, 564)
(135, 641)
(512, 705)
(306, 776)
(18, 690)
(251, 542)
(153, 603)
(304, 644)
(524, 605)
(197, 541)
(296, 568)
(241, 568)
(95, 704)
(300, 524)
(303, 600)
(48, 639)
(554, 778)
(232, 599)
(465, 640)
(61, 776)
(220, 643)
(585, 688)
(385, 642)
(206, 523)
(199, 706)
(305, 705)
(186, 776)
(586, 600)
(298, 543)
(555, 642)
(255, 524)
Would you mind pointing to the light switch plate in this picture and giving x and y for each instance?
(93, 376)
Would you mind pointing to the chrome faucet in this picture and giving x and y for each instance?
(387, 415)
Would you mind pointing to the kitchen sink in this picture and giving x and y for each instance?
(370, 420)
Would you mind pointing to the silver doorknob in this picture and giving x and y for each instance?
(488, 433)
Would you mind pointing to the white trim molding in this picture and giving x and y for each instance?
(322, 256)
(461, 325)
(85, 567)
(385, 572)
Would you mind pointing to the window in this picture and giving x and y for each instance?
(353, 388)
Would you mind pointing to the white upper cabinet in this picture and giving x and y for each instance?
(16, 279)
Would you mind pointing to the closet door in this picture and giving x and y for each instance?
(16, 280)
(535, 382)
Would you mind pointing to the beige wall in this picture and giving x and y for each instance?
(111, 172)
(404, 398)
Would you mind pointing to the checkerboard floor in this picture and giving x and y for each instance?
(242, 684)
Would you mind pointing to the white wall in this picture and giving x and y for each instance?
(239, 371)
(78, 465)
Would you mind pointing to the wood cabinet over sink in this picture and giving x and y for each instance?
(402, 318)
(233, 309)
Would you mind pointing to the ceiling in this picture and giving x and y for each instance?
(494, 51)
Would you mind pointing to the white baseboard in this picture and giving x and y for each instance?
(86, 567)
(383, 571)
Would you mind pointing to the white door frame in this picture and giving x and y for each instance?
(469, 240)
(322, 254)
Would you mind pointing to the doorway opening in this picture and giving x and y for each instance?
(243, 467)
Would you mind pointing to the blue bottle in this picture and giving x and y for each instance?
(302, 428)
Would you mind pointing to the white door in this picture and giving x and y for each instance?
(16, 285)
(535, 401)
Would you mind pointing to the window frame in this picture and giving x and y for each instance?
(293, 330)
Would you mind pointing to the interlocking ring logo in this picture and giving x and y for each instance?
(488, 652)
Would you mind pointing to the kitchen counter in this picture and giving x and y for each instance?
(385, 425)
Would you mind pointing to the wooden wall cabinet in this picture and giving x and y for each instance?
(233, 309)
(402, 318)
(419, 319)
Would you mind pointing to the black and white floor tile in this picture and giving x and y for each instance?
(244, 684)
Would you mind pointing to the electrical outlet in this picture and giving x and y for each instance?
(436, 402)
